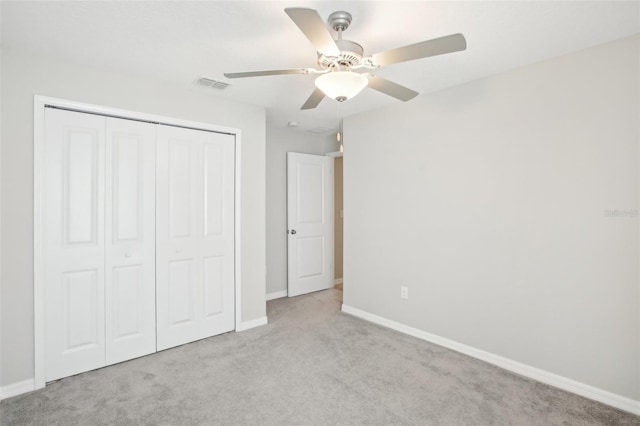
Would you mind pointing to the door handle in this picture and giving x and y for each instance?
(293, 232)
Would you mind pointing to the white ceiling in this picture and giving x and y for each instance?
(176, 42)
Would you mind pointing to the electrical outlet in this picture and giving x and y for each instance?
(404, 292)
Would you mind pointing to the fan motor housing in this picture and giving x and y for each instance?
(351, 54)
(340, 20)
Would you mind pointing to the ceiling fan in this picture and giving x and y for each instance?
(337, 59)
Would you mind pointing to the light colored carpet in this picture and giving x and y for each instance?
(310, 365)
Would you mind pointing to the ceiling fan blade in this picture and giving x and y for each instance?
(264, 73)
(424, 49)
(312, 25)
(390, 88)
(314, 100)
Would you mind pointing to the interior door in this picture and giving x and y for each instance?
(73, 201)
(130, 284)
(310, 223)
(195, 279)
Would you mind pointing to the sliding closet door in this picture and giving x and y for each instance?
(130, 243)
(73, 200)
(195, 235)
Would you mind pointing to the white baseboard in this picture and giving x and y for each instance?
(15, 389)
(338, 281)
(247, 325)
(277, 295)
(564, 383)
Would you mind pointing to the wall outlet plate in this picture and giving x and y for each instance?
(404, 292)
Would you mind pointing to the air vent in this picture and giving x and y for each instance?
(320, 130)
(209, 82)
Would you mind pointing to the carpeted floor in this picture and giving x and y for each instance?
(310, 365)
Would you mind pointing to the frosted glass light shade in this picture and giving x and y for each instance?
(341, 85)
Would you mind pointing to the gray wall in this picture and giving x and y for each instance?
(1, 322)
(339, 220)
(495, 203)
(279, 142)
(22, 77)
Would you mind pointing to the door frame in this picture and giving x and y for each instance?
(39, 105)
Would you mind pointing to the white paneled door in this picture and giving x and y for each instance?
(130, 240)
(74, 253)
(310, 223)
(195, 235)
(99, 233)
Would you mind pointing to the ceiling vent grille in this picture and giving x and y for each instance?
(320, 130)
(211, 83)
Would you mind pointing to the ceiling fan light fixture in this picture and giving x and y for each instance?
(341, 85)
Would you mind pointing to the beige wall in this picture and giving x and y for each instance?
(22, 78)
(495, 203)
(339, 221)
(279, 142)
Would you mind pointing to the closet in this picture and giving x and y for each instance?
(138, 238)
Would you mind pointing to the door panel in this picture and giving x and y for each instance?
(217, 234)
(214, 201)
(73, 235)
(213, 281)
(310, 192)
(176, 261)
(80, 179)
(127, 186)
(310, 223)
(182, 303)
(195, 194)
(310, 256)
(80, 289)
(127, 299)
(180, 206)
(130, 242)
